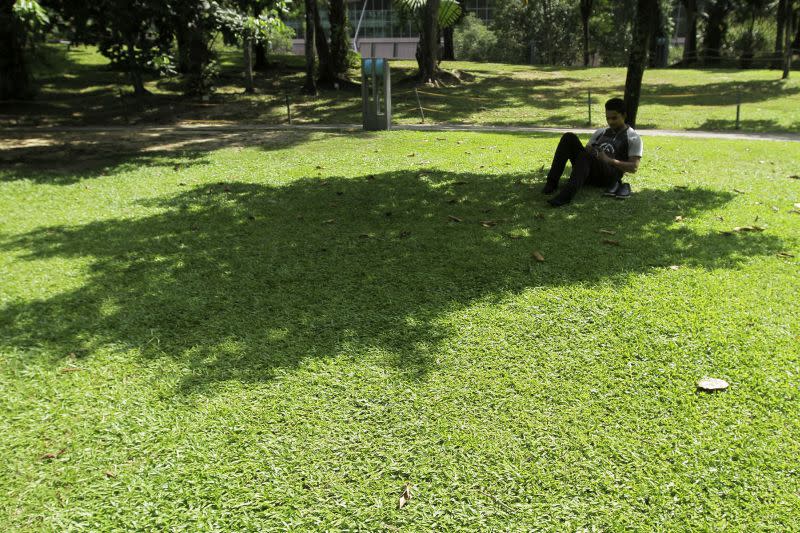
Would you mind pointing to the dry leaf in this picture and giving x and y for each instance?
(329, 221)
(737, 190)
(784, 254)
(54, 455)
(611, 242)
(488, 223)
(674, 267)
(405, 496)
(441, 139)
(775, 208)
(679, 218)
(109, 473)
(459, 142)
(67, 369)
(453, 219)
(412, 154)
(607, 232)
(536, 254)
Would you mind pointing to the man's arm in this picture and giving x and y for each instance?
(626, 166)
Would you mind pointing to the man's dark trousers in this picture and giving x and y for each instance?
(586, 168)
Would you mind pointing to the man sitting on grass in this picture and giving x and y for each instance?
(611, 152)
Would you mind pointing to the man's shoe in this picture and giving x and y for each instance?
(550, 188)
(562, 198)
(612, 191)
(624, 191)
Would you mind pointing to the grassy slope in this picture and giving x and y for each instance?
(282, 332)
(78, 88)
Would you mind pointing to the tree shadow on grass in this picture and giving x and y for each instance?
(89, 155)
(237, 281)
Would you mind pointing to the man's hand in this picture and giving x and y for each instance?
(602, 156)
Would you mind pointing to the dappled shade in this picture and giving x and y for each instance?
(237, 279)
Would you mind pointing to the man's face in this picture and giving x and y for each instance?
(615, 119)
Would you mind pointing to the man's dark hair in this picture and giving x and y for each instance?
(616, 104)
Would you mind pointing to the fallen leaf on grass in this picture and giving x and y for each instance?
(679, 218)
(453, 219)
(412, 154)
(737, 190)
(784, 254)
(674, 267)
(607, 232)
(405, 496)
(329, 221)
(775, 208)
(488, 223)
(441, 139)
(68, 369)
(536, 254)
(748, 228)
(610, 241)
(59, 453)
(109, 473)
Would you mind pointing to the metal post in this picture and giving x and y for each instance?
(419, 105)
(288, 109)
(738, 107)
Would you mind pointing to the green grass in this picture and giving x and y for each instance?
(77, 88)
(278, 331)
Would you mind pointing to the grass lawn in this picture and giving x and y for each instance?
(269, 331)
(77, 87)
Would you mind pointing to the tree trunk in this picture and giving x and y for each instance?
(198, 58)
(449, 51)
(781, 15)
(428, 47)
(690, 45)
(586, 13)
(260, 62)
(326, 75)
(310, 86)
(340, 39)
(637, 61)
(787, 52)
(134, 70)
(15, 78)
(182, 38)
(249, 88)
(716, 28)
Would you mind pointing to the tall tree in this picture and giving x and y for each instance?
(15, 77)
(780, 19)
(340, 37)
(586, 13)
(787, 52)
(325, 73)
(643, 27)
(430, 16)
(310, 85)
(690, 44)
(717, 12)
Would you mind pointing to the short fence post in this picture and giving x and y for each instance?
(738, 107)
(419, 105)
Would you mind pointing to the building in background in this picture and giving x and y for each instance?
(382, 31)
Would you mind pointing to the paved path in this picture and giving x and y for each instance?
(210, 127)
